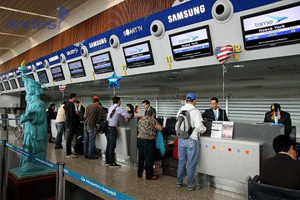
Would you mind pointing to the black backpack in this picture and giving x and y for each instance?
(183, 125)
(103, 126)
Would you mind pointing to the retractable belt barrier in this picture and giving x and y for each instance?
(89, 182)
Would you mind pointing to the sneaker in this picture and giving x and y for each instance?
(107, 163)
(179, 185)
(92, 157)
(71, 156)
(115, 165)
(191, 188)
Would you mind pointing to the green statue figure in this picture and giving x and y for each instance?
(35, 129)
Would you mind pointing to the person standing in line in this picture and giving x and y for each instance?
(71, 123)
(60, 124)
(114, 113)
(188, 149)
(50, 115)
(147, 127)
(215, 113)
(93, 112)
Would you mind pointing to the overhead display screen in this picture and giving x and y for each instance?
(191, 44)
(43, 78)
(138, 55)
(21, 83)
(76, 69)
(279, 26)
(13, 83)
(1, 87)
(102, 63)
(57, 73)
(6, 85)
(31, 76)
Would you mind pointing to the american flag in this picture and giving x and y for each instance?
(62, 88)
(223, 53)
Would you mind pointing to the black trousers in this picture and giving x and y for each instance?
(146, 156)
(70, 132)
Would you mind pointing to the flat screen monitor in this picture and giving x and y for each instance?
(1, 87)
(279, 26)
(102, 63)
(138, 55)
(57, 73)
(6, 85)
(21, 83)
(43, 77)
(13, 83)
(191, 44)
(31, 76)
(76, 69)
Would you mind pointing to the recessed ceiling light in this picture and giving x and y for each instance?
(238, 66)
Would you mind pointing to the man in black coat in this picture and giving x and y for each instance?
(282, 170)
(215, 113)
(282, 117)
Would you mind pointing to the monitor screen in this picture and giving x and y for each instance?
(102, 63)
(191, 44)
(138, 55)
(76, 69)
(6, 85)
(43, 78)
(57, 73)
(21, 83)
(1, 87)
(279, 26)
(31, 76)
(13, 83)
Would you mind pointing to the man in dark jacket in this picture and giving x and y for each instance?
(71, 123)
(276, 115)
(282, 170)
(215, 113)
(50, 115)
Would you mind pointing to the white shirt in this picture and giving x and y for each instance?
(196, 120)
(61, 116)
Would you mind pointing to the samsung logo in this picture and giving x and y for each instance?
(98, 43)
(186, 14)
(128, 32)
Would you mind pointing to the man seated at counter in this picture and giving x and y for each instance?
(147, 127)
(276, 115)
(215, 113)
(282, 170)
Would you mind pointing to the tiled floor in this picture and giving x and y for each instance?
(125, 179)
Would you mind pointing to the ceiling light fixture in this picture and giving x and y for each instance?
(9, 34)
(28, 13)
(238, 66)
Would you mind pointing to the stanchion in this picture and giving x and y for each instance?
(3, 188)
(60, 181)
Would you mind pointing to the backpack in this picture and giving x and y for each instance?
(183, 125)
(103, 126)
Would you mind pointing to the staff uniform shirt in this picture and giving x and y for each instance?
(146, 128)
(114, 120)
(196, 120)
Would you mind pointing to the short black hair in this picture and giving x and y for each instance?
(115, 99)
(276, 107)
(215, 98)
(77, 101)
(52, 104)
(72, 95)
(151, 112)
(146, 102)
(96, 101)
(130, 106)
(283, 143)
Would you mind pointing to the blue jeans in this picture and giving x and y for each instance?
(61, 128)
(111, 137)
(89, 140)
(188, 151)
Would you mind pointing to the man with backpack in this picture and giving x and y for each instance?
(188, 127)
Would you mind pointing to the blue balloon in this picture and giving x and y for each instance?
(114, 81)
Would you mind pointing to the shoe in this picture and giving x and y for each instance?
(153, 178)
(71, 156)
(179, 185)
(115, 165)
(107, 163)
(191, 188)
(51, 142)
(92, 157)
(75, 154)
(86, 156)
(59, 147)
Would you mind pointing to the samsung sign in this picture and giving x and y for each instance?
(186, 13)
